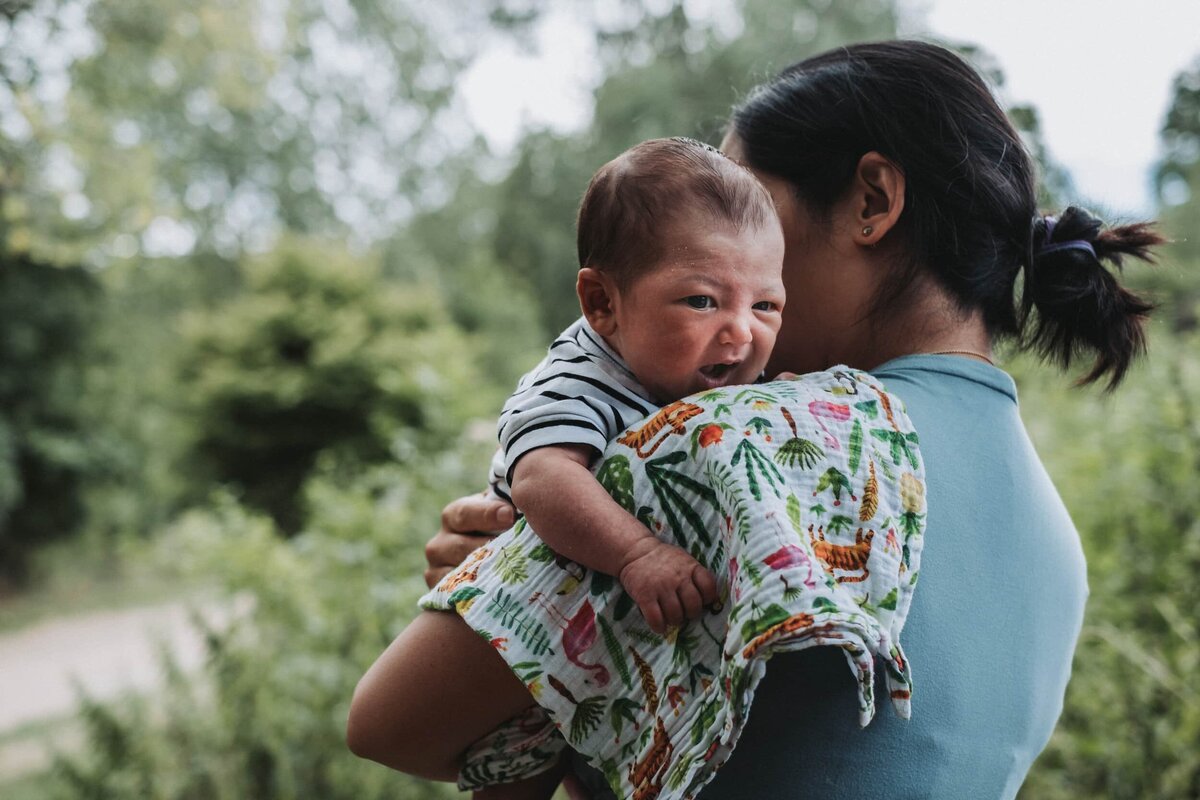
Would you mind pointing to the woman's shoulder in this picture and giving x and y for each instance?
(838, 394)
(840, 413)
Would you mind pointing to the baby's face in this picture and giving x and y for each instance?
(707, 315)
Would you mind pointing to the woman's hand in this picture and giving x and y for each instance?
(467, 523)
(668, 585)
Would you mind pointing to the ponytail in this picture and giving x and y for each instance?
(970, 197)
(1080, 306)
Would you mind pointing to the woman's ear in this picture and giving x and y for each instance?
(598, 299)
(878, 197)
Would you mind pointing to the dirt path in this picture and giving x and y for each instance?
(105, 654)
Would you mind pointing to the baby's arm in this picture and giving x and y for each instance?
(573, 514)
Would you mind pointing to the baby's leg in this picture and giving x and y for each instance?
(539, 787)
(436, 689)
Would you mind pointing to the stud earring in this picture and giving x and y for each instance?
(868, 230)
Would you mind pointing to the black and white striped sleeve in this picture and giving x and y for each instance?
(566, 402)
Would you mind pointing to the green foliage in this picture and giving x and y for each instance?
(1177, 180)
(331, 391)
(320, 362)
(266, 718)
(1127, 467)
(47, 450)
(511, 615)
(230, 122)
(667, 73)
(133, 392)
(614, 475)
(587, 717)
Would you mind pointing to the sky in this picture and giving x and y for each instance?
(1098, 71)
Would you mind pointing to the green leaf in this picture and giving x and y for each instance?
(601, 583)
(826, 605)
(509, 611)
(856, 441)
(586, 718)
(869, 407)
(889, 602)
(623, 709)
(793, 513)
(615, 653)
(839, 523)
(797, 451)
(464, 593)
(772, 615)
(541, 553)
(704, 721)
(617, 479)
(512, 565)
(527, 670)
(759, 424)
(623, 606)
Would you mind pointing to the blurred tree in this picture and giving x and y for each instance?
(1126, 465)
(1177, 181)
(319, 360)
(47, 450)
(268, 719)
(47, 314)
(669, 73)
(178, 127)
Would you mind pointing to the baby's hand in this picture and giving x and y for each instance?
(668, 585)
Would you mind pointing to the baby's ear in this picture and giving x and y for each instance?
(597, 299)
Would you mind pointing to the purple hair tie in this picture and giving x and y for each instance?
(1070, 244)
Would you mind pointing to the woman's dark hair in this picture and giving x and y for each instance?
(970, 212)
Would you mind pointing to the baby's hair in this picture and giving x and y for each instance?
(633, 202)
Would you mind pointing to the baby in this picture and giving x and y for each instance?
(680, 254)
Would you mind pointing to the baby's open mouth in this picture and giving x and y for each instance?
(717, 371)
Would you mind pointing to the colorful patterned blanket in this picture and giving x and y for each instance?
(804, 497)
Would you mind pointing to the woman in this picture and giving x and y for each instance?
(913, 244)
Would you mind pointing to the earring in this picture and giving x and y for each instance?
(868, 230)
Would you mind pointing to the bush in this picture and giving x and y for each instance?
(266, 718)
(1127, 466)
(322, 360)
(47, 315)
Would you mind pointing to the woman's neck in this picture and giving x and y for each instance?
(930, 323)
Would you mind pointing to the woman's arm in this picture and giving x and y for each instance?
(572, 512)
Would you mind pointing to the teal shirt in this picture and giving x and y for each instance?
(990, 635)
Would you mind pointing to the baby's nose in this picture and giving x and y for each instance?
(737, 330)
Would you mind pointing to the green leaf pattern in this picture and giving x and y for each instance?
(794, 569)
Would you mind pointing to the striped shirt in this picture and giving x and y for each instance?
(581, 393)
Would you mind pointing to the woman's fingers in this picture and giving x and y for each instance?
(466, 523)
(477, 513)
(446, 550)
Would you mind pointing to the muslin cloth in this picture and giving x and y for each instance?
(806, 499)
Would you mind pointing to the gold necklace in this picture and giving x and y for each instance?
(962, 353)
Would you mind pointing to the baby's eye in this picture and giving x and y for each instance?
(764, 305)
(700, 301)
